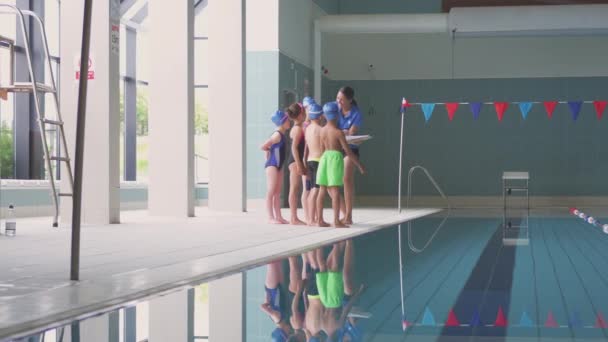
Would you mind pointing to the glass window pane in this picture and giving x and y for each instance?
(142, 54)
(51, 22)
(142, 133)
(8, 22)
(201, 19)
(201, 135)
(201, 64)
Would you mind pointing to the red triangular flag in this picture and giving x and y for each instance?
(599, 108)
(550, 107)
(501, 107)
(451, 108)
(600, 322)
(452, 320)
(501, 321)
(551, 323)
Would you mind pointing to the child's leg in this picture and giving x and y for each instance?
(271, 184)
(347, 276)
(334, 257)
(295, 273)
(320, 198)
(274, 275)
(349, 189)
(320, 260)
(277, 199)
(304, 199)
(312, 206)
(334, 193)
(294, 187)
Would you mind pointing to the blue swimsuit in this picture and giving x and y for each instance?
(277, 154)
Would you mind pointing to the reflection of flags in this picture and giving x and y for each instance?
(599, 108)
(501, 107)
(525, 107)
(404, 105)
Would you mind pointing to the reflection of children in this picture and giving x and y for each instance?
(276, 305)
(275, 159)
(330, 174)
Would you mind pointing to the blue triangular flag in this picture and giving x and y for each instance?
(428, 318)
(475, 108)
(525, 320)
(475, 320)
(575, 320)
(427, 108)
(575, 108)
(525, 107)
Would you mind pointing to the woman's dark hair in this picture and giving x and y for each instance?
(294, 110)
(349, 93)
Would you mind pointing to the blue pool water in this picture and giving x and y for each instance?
(474, 280)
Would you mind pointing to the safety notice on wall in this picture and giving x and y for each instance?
(90, 71)
(115, 37)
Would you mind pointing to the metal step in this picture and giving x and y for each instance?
(65, 159)
(28, 87)
(52, 122)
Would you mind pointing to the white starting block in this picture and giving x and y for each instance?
(515, 181)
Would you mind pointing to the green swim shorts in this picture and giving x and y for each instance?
(331, 289)
(331, 169)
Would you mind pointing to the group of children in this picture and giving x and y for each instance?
(316, 160)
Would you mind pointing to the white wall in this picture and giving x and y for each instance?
(296, 20)
(429, 56)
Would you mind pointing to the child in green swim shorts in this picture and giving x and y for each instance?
(330, 174)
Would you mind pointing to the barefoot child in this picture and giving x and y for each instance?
(314, 151)
(330, 174)
(275, 158)
(297, 169)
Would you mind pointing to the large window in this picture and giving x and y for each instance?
(201, 93)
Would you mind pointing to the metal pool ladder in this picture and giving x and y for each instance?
(409, 186)
(38, 89)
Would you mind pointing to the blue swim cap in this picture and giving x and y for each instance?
(330, 109)
(307, 101)
(278, 118)
(314, 111)
(314, 339)
(278, 335)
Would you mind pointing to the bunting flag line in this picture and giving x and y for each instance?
(550, 107)
(575, 108)
(501, 107)
(475, 109)
(451, 108)
(525, 107)
(599, 108)
(427, 108)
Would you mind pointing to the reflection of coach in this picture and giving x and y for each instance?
(349, 122)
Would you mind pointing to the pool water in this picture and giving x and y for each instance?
(471, 279)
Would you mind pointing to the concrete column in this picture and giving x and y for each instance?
(171, 111)
(169, 319)
(227, 187)
(227, 309)
(100, 187)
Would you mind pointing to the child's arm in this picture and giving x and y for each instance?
(346, 309)
(274, 138)
(350, 153)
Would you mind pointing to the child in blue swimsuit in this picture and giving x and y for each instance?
(274, 148)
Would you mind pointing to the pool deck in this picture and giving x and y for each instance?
(146, 256)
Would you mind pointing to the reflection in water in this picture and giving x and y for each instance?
(317, 302)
